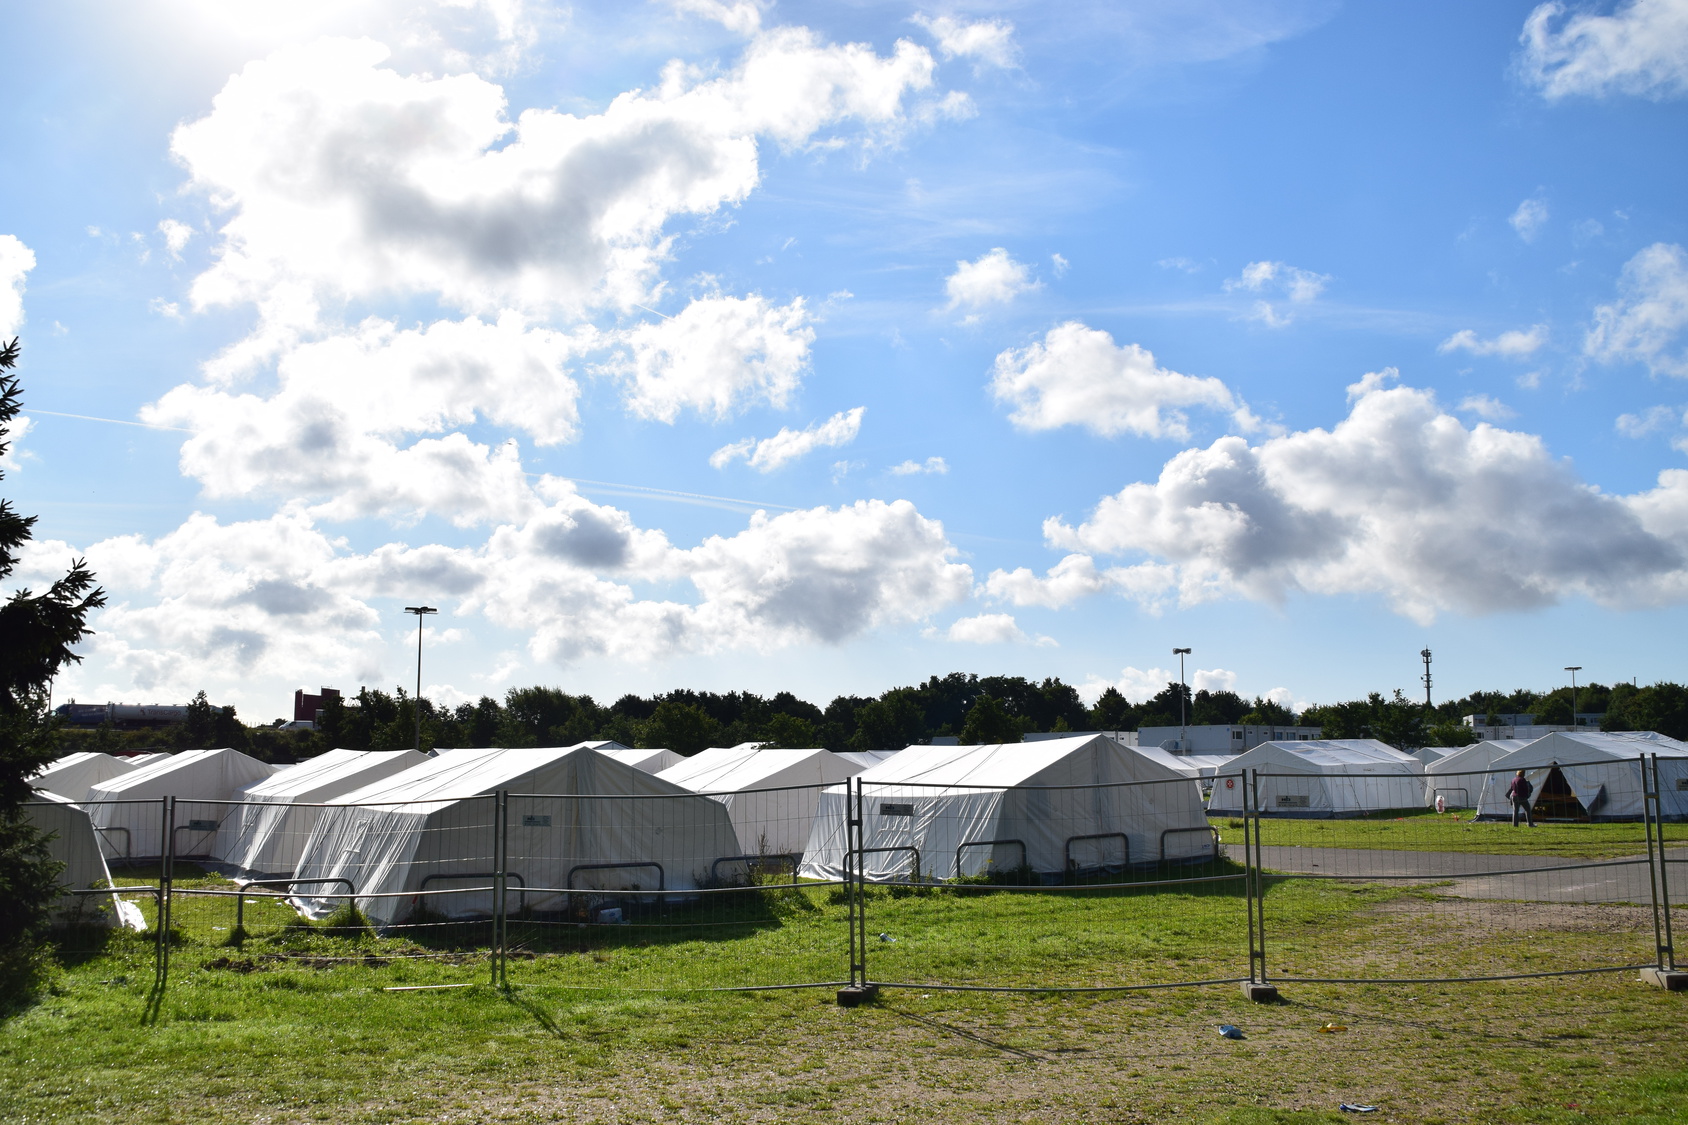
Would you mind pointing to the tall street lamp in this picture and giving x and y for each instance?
(1183, 719)
(421, 612)
(1573, 669)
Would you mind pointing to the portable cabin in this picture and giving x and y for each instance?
(74, 774)
(267, 832)
(770, 794)
(1592, 775)
(202, 781)
(1053, 806)
(1321, 777)
(1459, 778)
(576, 819)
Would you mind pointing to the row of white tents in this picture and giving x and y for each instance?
(394, 823)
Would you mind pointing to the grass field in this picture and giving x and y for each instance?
(294, 1023)
(1426, 830)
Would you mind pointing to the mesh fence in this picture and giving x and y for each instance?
(1358, 880)
(1280, 876)
(1039, 887)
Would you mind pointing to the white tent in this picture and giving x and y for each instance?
(268, 831)
(147, 758)
(1206, 765)
(1428, 754)
(1600, 771)
(776, 820)
(194, 778)
(1458, 778)
(74, 774)
(75, 845)
(866, 759)
(651, 761)
(1329, 777)
(433, 828)
(1062, 801)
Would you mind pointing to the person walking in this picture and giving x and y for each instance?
(1519, 792)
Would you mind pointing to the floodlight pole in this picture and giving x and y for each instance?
(1428, 706)
(1183, 718)
(1573, 669)
(421, 612)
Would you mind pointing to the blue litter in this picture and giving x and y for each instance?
(886, 937)
(1231, 1031)
(1346, 1108)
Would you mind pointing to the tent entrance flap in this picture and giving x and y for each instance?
(1557, 801)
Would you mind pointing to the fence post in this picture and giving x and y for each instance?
(1668, 951)
(500, 883)
(855, 875)
(1256, 988)
(166, 881)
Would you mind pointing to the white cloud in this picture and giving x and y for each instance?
(788, 445)
(1646, 321)
(1641, 49)
(741, 16)
(1650, 421)
(1059, 264)
(169, 310)
(16, 260)
(912, 467)
(1182, 265)
(1512, 344)
(13, 455)
(1487, 408)
(1529, 218)
(1078, 376)
(347, 180)
(991, 42)
(1400, 500)
(1072, 579)
(1136, 684)
(717, 356)
(991, 279)
(1301, 287)
(176, 236)
(986, 629)
(335, 427)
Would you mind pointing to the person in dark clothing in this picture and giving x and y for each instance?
(1519, 792)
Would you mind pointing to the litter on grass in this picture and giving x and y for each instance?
(1346, 1108)
(1333, 1027)
(1231, 1031)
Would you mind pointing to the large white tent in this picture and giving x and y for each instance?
(1599, 769)
(267, 833)
(1321, 777)
(75, 845)
(1061, 801)
(147, 758)
(770, 794)
(1459, 778)
(573, 813)
(866, 759)
(195, 778)
(651, 761)
(74, 774)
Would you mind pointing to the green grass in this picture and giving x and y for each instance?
(1424, 830)
(293, 1023)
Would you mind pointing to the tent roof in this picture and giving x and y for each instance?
(333, 773)
(1573, 747)
(242, 769)
(737, 768)
(1477, 757)
(1337, 755)
(642, 757)
(865, 758)
(1003, 766)
(77, 773)
(468, 773)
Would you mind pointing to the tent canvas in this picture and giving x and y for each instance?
(75, 845)
(74, 774)
(759, 788)
(866, 759)
(1328, 777)
(1458, 778)
(433, 828)
(651, 761)
(939, 799)
(1600, 769)
(193, 778)
(266, 834)
(147, 758)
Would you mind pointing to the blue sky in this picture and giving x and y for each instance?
(1044, 338)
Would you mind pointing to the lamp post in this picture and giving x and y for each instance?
(1573, 669)
(421, 612)
(1183, 719)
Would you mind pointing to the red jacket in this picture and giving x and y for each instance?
(1520, 790)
